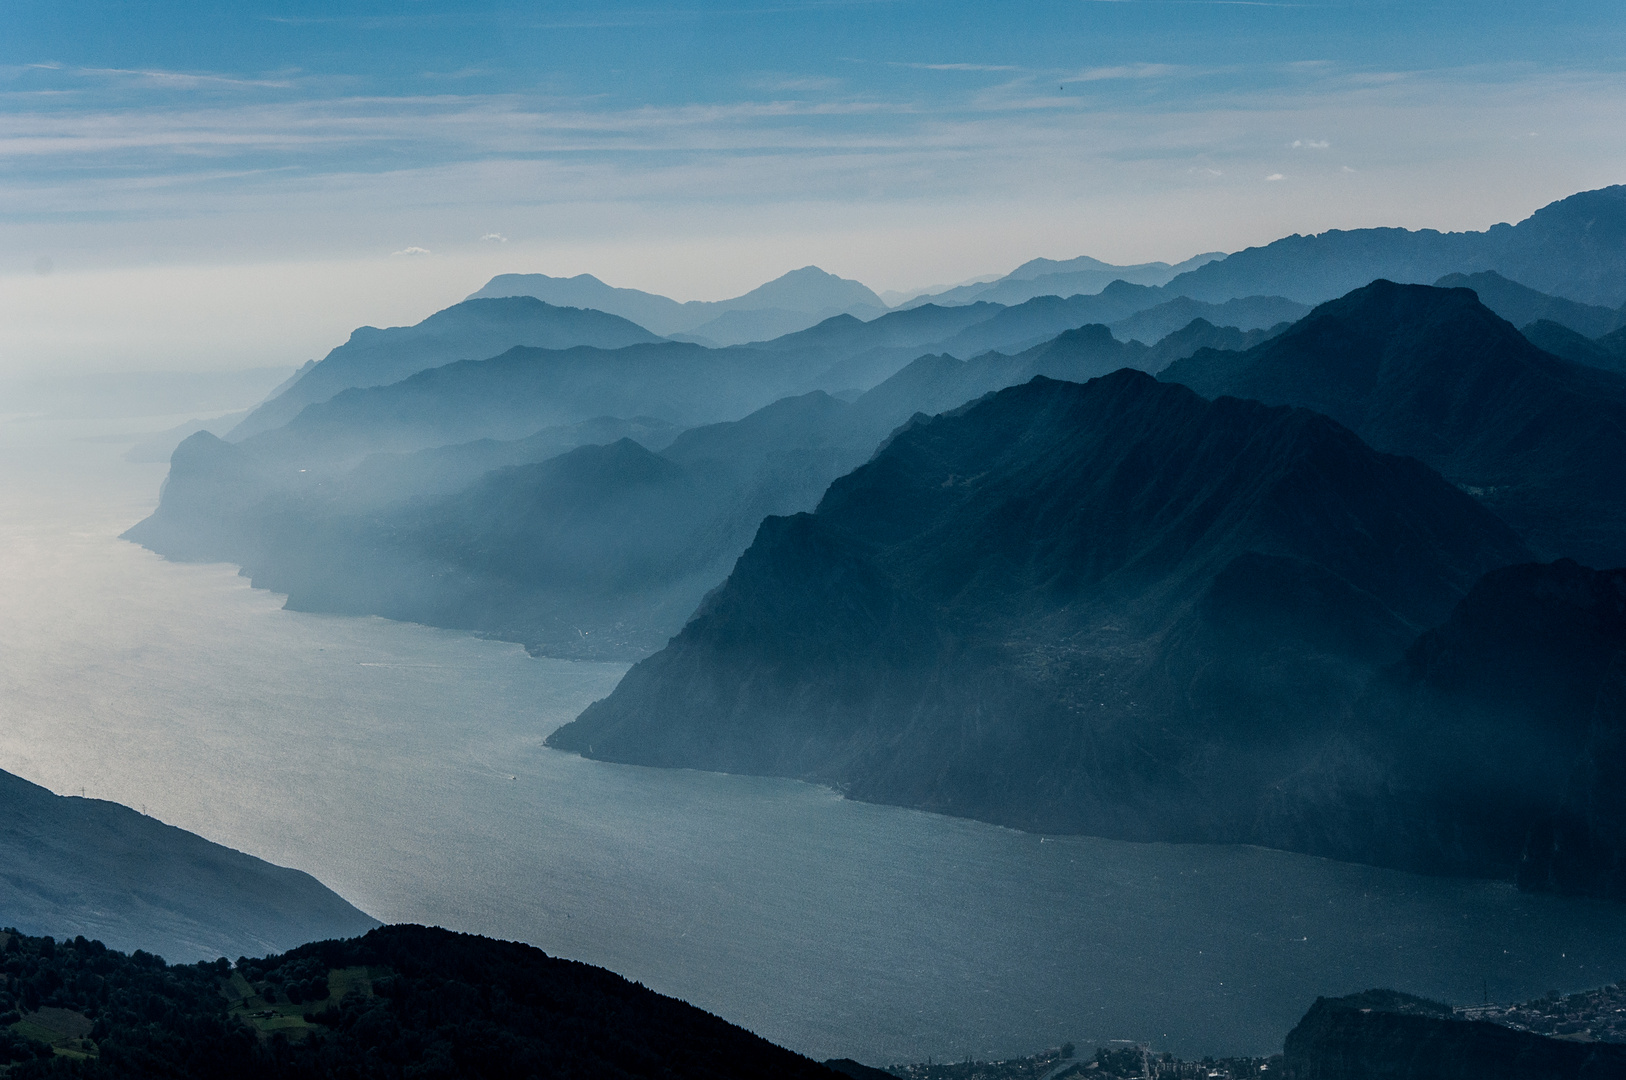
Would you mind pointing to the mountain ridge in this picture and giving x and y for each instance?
(1435, 374)
(934, 635)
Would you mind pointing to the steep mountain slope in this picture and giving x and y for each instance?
(472, 330)
(1495, 748)
(1566, 344)
(809, 290)
(84, 866)
(1574, 248)
(1512, 716)
(1520, 305)
(1112, 608)
(1434, 374)
(1614, 343)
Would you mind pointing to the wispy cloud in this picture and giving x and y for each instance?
(179, 80)
(413, 251)
(1126, 71)
(918, 66)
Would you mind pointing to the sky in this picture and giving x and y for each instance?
(189, 186)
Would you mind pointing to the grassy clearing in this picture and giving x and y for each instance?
(248, 1001)
(66, 1032)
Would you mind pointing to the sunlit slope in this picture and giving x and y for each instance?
(85, 866)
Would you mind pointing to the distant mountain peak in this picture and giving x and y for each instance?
(808, 289)
(1434, 374)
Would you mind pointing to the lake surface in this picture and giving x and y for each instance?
(404, 766)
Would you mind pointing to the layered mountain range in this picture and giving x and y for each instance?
(1119, 609)
(469, 331)
(371, 501)
(791, 302)
(975, 557)
(543, 539)
(1573, 248)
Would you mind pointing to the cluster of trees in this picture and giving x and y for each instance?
(450, 1005)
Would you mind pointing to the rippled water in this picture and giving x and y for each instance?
(404, 766)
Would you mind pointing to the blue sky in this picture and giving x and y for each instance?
(268, 162)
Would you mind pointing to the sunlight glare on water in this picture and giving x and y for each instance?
(404, 766)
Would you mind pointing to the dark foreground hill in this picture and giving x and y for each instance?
(1434, 374)
(402, 1001)
(1112, 608)
(85, 866)
(1394, 1036)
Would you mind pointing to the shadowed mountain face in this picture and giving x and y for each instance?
(1566, 344)
(1382, 1033)
(1520, 701)
(1495, 748)
(1521, 305)
(1434, 374)
(84, 866)
(1112, 608)
(1574, 248)
(472, 330)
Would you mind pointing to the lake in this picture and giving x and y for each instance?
(404, 767)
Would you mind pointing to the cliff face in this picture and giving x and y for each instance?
(1384, 1035)
(1112, 608)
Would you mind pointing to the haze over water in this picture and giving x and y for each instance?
(404, 767)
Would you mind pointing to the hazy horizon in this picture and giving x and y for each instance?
(243, 187)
